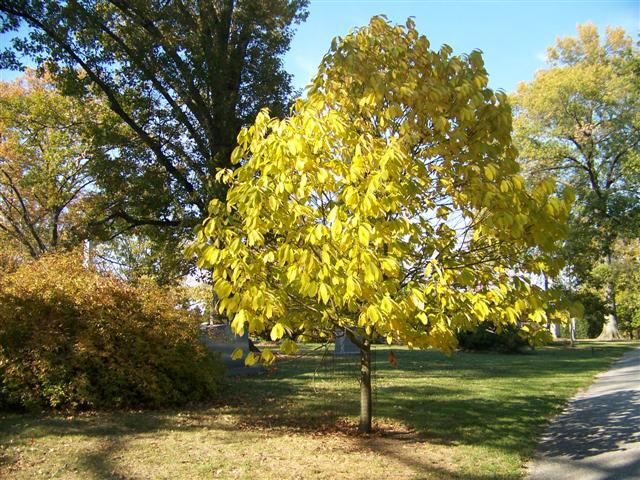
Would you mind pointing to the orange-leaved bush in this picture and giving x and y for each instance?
(73, 338)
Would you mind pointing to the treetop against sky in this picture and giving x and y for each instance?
(512, 35)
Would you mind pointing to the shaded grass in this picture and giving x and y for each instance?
(474, 416)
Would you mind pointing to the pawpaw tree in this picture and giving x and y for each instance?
(388, 204)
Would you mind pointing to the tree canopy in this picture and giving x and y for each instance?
(388, 204)
(579, 120)
(181, 77)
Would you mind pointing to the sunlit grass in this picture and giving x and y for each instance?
(472, 416)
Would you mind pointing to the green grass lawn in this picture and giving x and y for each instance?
(471, 416)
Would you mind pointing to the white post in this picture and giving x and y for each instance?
(88, 253)
(572, 330)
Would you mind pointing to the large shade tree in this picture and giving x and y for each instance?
(183, 77)
(579, 120)
(388, 205)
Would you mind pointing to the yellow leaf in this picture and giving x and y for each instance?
(351, 286)
(212, 255)
(277, 332)
(237, 354)
(250, 359)
(386, 305)
(294, 146)
(374, 314)
(363, 235)
(267, 356)
(333, 214)
(323, 291)
(336, 227)
(350, 196)
(326, 258)
(371, 272)
(323, 175)
(490, 172)
(269, 257)
(390, 266)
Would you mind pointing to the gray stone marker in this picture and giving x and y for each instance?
(344, 346)
(220, 338)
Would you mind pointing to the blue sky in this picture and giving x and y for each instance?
(513, 35)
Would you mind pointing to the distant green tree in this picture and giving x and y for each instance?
(579, 121)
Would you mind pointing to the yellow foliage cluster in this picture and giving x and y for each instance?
(388, 203)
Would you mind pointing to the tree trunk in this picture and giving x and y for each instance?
(365, 387)
(550, 326)
(610, 329)
(213, 316)
(88, 253)
(55, 225)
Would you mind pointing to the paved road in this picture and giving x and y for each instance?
(598, 436)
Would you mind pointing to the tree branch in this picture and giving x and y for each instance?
(115, 106)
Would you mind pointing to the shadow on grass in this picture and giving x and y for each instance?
(316, 393)
(100, 462)
(434, 413)
(507, 417)
(110, 434)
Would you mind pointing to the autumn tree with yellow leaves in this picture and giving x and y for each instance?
(388, 204)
